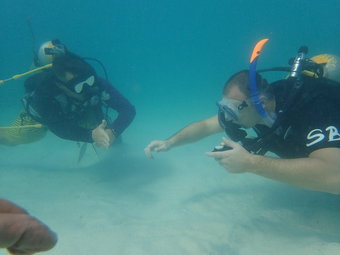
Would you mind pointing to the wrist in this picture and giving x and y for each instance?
(170, 143)
(253, 162)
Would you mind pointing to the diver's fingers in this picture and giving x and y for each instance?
(148, 152)
(106, 141)
(154, 145)
(103, 124)
(103, 140)
(218, 155)
(103, 144)
(229, 142)
(151, 147)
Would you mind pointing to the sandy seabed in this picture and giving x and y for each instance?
(180, 203)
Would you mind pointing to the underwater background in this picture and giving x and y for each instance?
(171, 60)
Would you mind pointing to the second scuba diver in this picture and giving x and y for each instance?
(70, 100)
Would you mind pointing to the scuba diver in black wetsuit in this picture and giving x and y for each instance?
(297, 118)
(70, 100)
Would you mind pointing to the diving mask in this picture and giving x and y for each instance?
(228, 112)
(231, 108)
(79, 86)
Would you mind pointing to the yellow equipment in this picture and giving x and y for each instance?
(18, 76)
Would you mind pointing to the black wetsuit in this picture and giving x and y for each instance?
(69, 118)
(311, 123)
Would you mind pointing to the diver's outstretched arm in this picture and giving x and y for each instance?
(189, 134)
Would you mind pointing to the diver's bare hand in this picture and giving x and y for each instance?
(157, 145)
(111, 135)
(235, 160)
(100, 136)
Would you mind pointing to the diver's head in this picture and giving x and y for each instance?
(237, 105)
(75, 75)
(48, 51)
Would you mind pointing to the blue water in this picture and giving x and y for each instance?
(170, 59)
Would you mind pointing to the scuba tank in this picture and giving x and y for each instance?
(327, 65)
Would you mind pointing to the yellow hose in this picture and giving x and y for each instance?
(26, 126)
(17, 76)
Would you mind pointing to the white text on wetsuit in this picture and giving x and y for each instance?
(318, 135)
